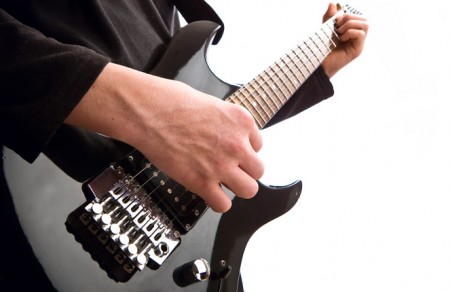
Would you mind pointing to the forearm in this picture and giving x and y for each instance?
(127, 104)
(198, 140)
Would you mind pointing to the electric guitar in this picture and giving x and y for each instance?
(141, 231)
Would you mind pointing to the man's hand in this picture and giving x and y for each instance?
(198, 140)
(352, 30)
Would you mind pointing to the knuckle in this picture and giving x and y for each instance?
(244, 116)
(252, 189)
(234, 147)
(260, 171)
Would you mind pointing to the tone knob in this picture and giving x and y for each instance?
(192, 272)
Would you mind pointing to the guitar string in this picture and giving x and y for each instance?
(148, 197)
(290, 63)
(286, 62)
(276, 68)
(276, 72)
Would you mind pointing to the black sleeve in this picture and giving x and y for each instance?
(41, 81)
(315, 89)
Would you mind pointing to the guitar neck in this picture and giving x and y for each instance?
(270, 90)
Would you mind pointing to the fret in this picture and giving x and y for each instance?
(275, 89)
(299, 68)
(257, 103)
(328, 44)
(236, 100)
(332, 35)
(255, 113)
(288, 62)
(270, 90)
(274, 107)
(304, 63)
(325, 46)
(287, 80)
(252, 107)
(313, 54)
(279, 82)
(268, 95)
(265, 94)
(319, 49)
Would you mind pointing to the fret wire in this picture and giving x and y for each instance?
(294, 81)
(267, 88)
(255, 103)
(275, 83)
(297, 71)
(306, 67)
(298, 56)
(312, 53)
(271, 84)
(314, 59)
(312, 47)
(327, 40)
(261, 85)
(297, 66)
(324, 45)
(327, 36)
(293, 68)
(233, 98)
(320, 50)
(268, 95)
(263, 98)
(333, 32)
(287, 80)
(281, 82)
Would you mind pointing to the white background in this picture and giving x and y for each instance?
(374, 159)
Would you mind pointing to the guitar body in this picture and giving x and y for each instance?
(44, 196)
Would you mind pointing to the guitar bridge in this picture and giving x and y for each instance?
(134, 217)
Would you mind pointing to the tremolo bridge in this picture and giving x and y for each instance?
(134, 217)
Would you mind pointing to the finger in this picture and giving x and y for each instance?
(331, 10)
(355, 35)
(255, 139)
(355, 39)
(252, 164)
(216, 198)
(348, 21)
(241, 184)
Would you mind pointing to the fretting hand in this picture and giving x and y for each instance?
(352, 30)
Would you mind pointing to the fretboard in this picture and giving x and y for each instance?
(270, 90)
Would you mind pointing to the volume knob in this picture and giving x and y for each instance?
(192, 272)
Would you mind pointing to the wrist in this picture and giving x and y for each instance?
(330, 68)
(110, 106)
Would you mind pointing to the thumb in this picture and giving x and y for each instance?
(332, 10)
